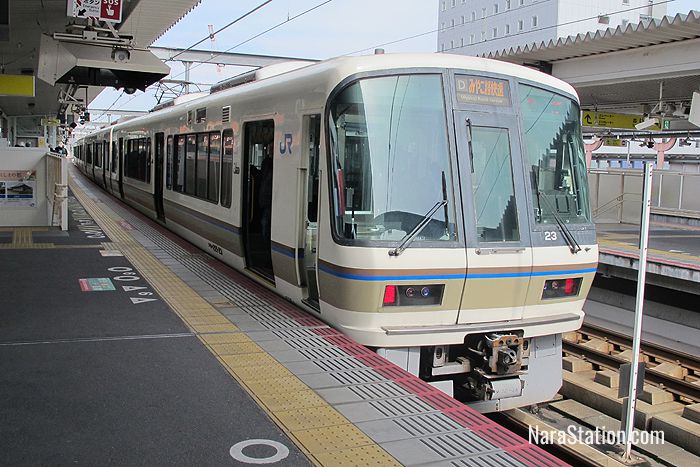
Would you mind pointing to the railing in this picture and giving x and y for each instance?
(57, 190)
(616, 194)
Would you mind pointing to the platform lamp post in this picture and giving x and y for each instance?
(628, 422)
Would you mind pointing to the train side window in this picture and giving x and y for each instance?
(190, 167)
(227, 169)
(214, 161)
(179, 164)
(147, 160)
(202, 162)
(114, 157)
(169, 163)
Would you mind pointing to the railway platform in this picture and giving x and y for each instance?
(122, 343)
(673, 255)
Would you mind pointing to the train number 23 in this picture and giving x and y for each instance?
(550, 235)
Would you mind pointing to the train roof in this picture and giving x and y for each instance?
(337, 69)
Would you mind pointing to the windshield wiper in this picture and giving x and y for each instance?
(568, 236)
(408, 238)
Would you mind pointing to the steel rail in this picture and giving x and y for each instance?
(692, 362)
(676, 386)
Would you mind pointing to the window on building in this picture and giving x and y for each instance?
(520, 25)
(625, 22)
(442, 26)
(522, 2)
(495, 8)
(507, 4)
(462, 18)
(452, 23)
(494, 33)
(452, 45)
(461, 42)
(507, 29)
(483, 36)
(534, 21)
(473, 15)
(444, 6)
(625, 2)
(442, 47)
(483, 12)
(471, 38)
(453, 3)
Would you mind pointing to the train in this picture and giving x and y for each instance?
(432, 207)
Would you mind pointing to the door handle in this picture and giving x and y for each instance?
(499, 251)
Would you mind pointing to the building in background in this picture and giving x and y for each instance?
(477, 27)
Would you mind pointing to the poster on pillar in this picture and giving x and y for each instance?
(18, 188)
(104, 10)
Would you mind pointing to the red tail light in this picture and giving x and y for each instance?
(390, 295)
(569, 285)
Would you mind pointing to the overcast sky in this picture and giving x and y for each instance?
(337, 28)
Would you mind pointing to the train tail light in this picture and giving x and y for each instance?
(413, 295)
(561, 288)
(389, 295)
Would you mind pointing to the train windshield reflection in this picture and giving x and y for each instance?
(390, 150)
(555, 154)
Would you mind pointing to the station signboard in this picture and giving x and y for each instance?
(17, 85)
(613, 120)
(104, 10)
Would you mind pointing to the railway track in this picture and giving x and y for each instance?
(674, 371)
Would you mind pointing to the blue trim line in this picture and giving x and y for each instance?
(285, 252)
(362, 277)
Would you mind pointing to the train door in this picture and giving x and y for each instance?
(499, 254)
(121, 168)
(310, 183)
(113, 167)
(158, 182)
(257, 196)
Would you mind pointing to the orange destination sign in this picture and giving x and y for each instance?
(481, 90)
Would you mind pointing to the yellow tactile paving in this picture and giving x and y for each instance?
(241, 361)
(313, 417)
(320, 431)
(332, 438)
(292, 401)
(222, 339)
(283, 385)
(370, 455)
(236, 348)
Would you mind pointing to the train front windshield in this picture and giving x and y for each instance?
(391, 163)
(555, 156)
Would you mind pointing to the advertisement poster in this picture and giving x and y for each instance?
(18, 188)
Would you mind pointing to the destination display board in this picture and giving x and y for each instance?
(481, 90)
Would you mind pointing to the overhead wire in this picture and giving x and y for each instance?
(289, 19)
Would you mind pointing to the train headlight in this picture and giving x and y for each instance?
(560, 288)
(413, 295)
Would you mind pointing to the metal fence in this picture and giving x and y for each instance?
(616, 194)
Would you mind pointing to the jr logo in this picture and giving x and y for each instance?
(286, 145)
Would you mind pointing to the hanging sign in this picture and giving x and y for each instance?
(104, 10)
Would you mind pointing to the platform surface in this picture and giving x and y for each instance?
(121, 343)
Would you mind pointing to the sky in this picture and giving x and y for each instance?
(338, 27)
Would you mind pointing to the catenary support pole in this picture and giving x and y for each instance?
(638, 311)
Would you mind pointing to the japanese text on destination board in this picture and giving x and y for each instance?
(483, 91)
